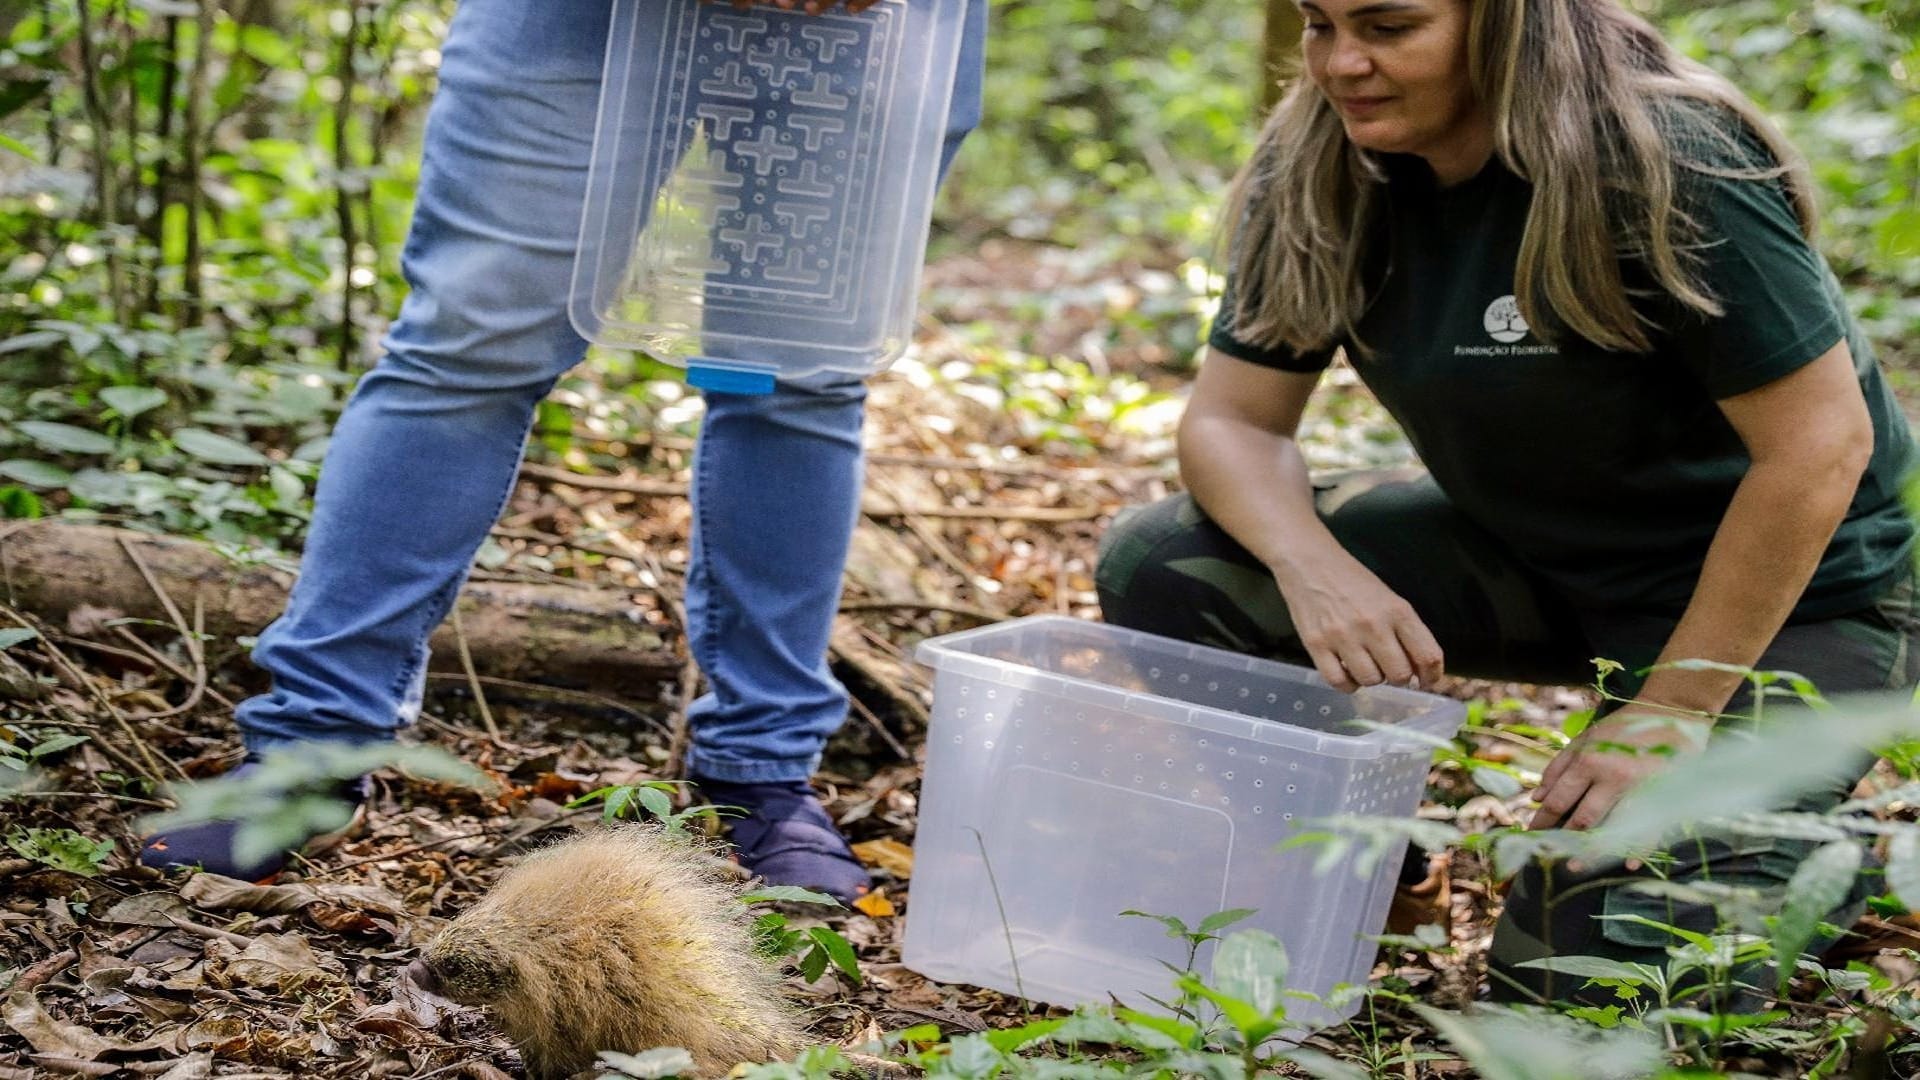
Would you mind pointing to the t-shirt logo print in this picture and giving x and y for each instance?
(1504, 321)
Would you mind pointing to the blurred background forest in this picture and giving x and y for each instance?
(202, 204)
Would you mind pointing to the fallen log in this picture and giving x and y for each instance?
(556, 634)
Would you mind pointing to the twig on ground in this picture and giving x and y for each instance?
(980, 614)
(860, 709)
(591, 482)
(191, 637)
(586, 696)
(80, 678)
(1050, 514)
(899, 695)
(237, 940)
(473, 677)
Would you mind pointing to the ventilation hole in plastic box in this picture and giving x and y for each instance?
(1107, 749)
(1286, 817)
(1153, 673)
(965, 689)
(1139, 757)
(1214, 685)
(993, 694)
(1246, 692)
(1163, 785)
(1291, 789)
(1079, 716)
(1297, 706)
(1228, 775)
(1233, 751)
(1194, 794)
(1019, 748)
(1168, 763)
(1138, 779)
(1259, 809)
(959, 738)
(961, 712)
(1259, 783)
(1292, 767)
(987, 717)
(1325, 710)
(1225, 801)
(1263, 759)
(1271, 698)
(1185, 678)
(1203, 742)
(1106, 773)
(1200, 768)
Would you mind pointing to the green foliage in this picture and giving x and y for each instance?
(813, 949)
(291, 796)
(61, 849)
(653, 797)
(20, 749)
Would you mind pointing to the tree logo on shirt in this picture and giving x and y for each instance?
(1504, 321)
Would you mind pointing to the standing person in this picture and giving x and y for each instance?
(1576, 269)
(426, 452)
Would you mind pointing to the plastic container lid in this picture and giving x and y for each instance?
(762, 183)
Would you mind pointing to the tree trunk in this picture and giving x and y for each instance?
(575, 636)
(1280, 58)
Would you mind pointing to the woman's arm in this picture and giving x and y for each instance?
(1809, 436)
(1239, 459)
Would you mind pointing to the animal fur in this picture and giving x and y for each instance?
(622, 939)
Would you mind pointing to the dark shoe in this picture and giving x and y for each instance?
(209, 845)
(786, 837)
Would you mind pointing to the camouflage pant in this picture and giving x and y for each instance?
(1167, 569)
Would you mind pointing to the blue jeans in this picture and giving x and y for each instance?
(426, 452)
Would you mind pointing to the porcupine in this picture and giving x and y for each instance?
(621, 939)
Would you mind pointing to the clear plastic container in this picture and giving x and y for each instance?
(762, 184)
(1087, 770)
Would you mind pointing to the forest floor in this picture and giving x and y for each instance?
(987, 498)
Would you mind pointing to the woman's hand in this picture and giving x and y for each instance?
(1358, 631)
(1608, 759)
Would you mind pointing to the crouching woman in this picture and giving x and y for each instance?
(1576, 269)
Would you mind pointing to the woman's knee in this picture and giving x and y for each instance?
(1168, 569)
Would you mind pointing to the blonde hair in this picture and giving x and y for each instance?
(1577, 91)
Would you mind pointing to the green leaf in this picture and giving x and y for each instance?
(1903, 866)
(1252, 965)
(40, 474)
(19, 503)
(1819, 886)
(131, 401)
(791, 894)
(655, 1064)
(32, 339)
(8, 142)
(1220, 920)
(837, 950)
(65, 438)
(61, 849)
(15, 635)
(1176, 927)
(53, 744)
(813, 964)
(218, 449)
(1496, 782)
(1595, 967)
(656, 802)
(617, 801)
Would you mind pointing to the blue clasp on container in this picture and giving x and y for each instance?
(730, 376)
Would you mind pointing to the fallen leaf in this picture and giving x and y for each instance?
(875, 904)
(147, 909)
(215, 893)
(60, 1039)
(888, 854)
(196, 1066)
(269, 962)
(221, 1036)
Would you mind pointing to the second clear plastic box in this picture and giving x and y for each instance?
(762, 184)
(1087, 770)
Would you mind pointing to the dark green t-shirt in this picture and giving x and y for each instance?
(1607, 472)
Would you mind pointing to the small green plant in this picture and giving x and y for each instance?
(813, 949)
(61, 849)
(655, 797)
(21, 749)
(291, 796)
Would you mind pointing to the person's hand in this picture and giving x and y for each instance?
(1580, 786)
(1358, 631)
